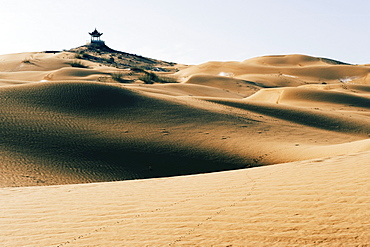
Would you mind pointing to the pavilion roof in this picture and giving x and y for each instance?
(95, 33)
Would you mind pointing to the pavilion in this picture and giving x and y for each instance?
(95, 37)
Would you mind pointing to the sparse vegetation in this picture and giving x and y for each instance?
(78, 56)
(78, 64)
(118, 77)
(137, 70)
(133, 67)
(150, 78)
(344, 86)
(167, 79)
(26, 60)
(81, 55)
(104, 55)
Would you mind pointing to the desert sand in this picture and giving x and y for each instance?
(320, 202)
(271, 151)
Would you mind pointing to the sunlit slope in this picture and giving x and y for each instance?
(38, 66)
(320, 202)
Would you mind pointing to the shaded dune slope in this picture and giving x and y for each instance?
(97, 133)
(308, 117)
(73, 132)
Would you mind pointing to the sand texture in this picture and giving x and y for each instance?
(271, 151)
(321, 202)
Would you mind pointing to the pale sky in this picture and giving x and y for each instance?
(192, 31)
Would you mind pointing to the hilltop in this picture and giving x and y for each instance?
(101, 53)
(91, 62)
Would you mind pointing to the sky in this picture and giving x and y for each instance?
(192, 31)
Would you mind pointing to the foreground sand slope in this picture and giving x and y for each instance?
(321, 202)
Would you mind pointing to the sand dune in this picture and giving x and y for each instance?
(181, 90)
(46, 66)
(304, 96)
(319, 119)
(272, 71)
(83, 132)
(73, 126)
(321, 202)
(78, 131)
(241, 87)
(69, 127)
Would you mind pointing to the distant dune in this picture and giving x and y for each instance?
(88, 116)
(287, 70)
